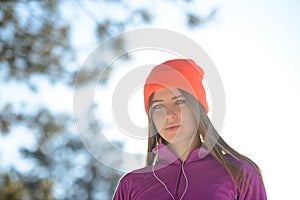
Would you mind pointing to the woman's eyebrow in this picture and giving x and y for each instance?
(155, 101)
(175, 97)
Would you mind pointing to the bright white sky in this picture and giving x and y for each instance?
(255, 47)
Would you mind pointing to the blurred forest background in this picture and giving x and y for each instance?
(38, 55)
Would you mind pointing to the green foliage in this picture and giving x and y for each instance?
(19, 188)
(35, 42)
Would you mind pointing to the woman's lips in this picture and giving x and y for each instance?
(173, 128)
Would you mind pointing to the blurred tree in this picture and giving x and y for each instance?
(35, 44)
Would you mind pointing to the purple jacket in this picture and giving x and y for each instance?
(206, 179)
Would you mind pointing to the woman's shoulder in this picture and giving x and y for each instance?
(245, 164)
(131, 183)
(251, 181)
(136, 175)
(251, 173)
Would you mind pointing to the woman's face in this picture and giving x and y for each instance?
(172, 116)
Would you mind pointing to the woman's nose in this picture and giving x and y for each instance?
(171, 112)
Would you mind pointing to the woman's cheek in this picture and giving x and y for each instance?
(159, 120)
(159, 124)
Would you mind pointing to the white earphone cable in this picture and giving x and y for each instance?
(165, 186)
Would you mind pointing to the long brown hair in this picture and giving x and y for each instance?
(211, 139)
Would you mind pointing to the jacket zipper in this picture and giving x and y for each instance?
(179, 180)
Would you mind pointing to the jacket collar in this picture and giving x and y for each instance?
(167, 155)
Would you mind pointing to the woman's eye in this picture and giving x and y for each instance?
(180, 101)
(158, 106)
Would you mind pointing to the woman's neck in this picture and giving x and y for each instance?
(184, 148)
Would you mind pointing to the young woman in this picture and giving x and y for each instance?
(187, 158)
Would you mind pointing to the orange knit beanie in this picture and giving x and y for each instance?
(183, 74)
